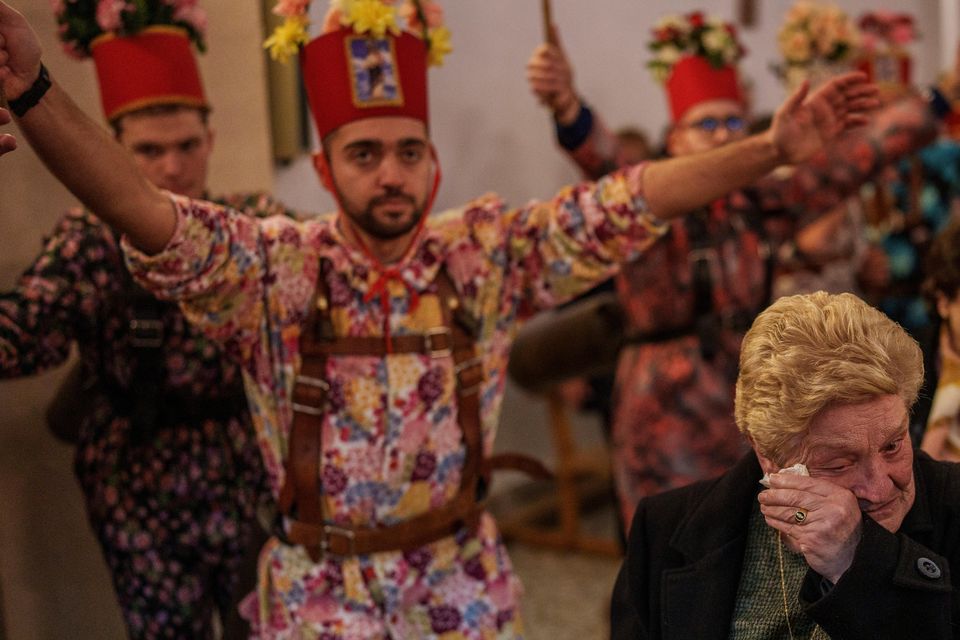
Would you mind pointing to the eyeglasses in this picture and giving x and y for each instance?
(733, 124)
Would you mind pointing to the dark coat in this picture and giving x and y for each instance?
(680, 577)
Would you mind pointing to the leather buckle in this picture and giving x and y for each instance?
(431, 335)
(316, 383)
(465, 388)
(336, 530)
(705, 254)
(146, 333)
(279, 530)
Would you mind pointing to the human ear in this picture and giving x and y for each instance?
(322, 167)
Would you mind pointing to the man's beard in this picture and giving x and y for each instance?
(373, 227)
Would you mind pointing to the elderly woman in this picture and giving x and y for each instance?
(860, 548)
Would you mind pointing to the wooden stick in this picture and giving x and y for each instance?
(547, 11)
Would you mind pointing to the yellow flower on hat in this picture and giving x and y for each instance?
(286, 39)
(439, 45)
(374, 16)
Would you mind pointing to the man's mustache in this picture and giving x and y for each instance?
(392, 198)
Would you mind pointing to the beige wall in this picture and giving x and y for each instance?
(54, 584)
(490, 133)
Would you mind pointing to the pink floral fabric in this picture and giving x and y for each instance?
(392, 446)
(172, 508)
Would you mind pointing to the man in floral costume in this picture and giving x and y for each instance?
(690, 299)
(166, 454)
(374, 446)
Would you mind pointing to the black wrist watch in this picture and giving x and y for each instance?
(31, 96)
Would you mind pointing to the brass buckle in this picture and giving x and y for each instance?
(310, 381)
(333, 529)
(146, 333)
(432, 334)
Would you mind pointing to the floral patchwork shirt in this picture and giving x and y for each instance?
(392, 447)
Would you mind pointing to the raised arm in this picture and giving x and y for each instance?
(580, 132)
(81, 154)
(801, 127)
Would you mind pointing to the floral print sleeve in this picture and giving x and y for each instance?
(558, 249)
(54, 299)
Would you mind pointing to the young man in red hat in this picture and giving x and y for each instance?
(374, 342)
(690, 299)
(166, 454)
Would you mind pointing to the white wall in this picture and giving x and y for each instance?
(492, 136)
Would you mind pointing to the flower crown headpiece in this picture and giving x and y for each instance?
(423, 18)
(885, 29)
(83, 21)
(813, 32)
(676, 36)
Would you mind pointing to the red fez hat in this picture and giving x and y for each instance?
(351, 77)
(693, 79)
(155, 66)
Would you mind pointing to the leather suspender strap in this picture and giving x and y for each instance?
(436, 343)
(462, 511)
(300, 502)
(468, 369)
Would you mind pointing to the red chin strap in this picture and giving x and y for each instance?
(387, 273)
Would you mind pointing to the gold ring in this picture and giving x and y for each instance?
(800, 516)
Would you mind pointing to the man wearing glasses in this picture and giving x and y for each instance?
(691, 298)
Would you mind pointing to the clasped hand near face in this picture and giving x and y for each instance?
(817, 518)
(860, 462)
(7, 141)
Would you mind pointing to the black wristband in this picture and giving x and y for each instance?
(31, 96)
(573, 135)
(939, 104)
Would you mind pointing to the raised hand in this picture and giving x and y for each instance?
(550, 77)
(7, 141)
(19, 53)
(806, 122)
(830, 527)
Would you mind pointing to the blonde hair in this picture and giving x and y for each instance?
(807, 352)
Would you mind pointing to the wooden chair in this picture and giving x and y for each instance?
(553, 519)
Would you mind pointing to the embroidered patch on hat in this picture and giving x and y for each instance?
(374, 74)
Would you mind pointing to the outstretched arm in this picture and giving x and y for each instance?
(801, 127)
(7, 141)
(81, 154)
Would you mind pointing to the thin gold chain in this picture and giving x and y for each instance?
(817, 631)
(783, 583)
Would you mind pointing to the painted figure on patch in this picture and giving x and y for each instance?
(374, 72)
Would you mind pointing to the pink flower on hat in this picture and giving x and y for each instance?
(291, 7)
(108, 14)
(432, 11)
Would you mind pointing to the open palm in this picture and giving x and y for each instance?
(806, 122)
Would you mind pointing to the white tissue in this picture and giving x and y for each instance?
(797, 470)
